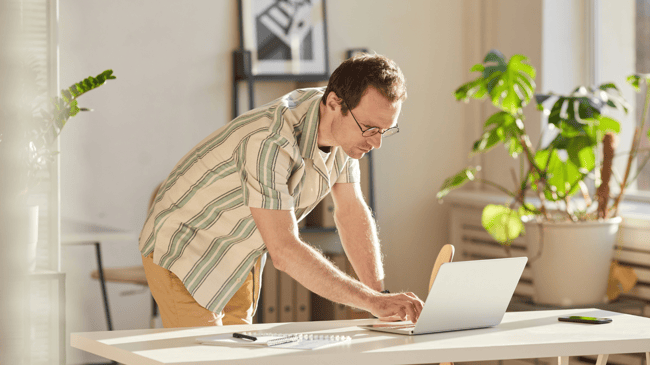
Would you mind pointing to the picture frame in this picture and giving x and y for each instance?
(355, 51)
(287, 39)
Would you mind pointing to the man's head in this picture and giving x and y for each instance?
(363, 100)
(351, 80)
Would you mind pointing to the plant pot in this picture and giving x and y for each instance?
(29, 219)
(570, 261)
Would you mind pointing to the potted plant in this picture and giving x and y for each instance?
(41, 127)
(570, 245)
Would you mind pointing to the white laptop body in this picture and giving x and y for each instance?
(464, 295)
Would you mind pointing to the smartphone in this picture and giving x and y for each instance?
(590, 320)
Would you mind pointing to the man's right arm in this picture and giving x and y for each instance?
(279, 231)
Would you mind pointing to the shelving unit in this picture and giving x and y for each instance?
(242, 73)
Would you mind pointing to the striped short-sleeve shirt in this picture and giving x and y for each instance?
(200, 226)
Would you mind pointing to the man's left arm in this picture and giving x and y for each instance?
(358, 233)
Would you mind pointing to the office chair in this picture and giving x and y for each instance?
(446, 254)
(129, 275)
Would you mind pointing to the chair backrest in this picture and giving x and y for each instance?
(446, 254)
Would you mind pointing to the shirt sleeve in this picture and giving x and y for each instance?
(265, 164)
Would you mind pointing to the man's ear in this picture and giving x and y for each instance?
(333, 102)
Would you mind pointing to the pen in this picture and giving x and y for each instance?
(243, 336)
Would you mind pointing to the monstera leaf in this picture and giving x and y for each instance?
(510, 84)
(501, 127)
(502, 223)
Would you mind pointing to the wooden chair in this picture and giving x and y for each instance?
(129, 275)
(446, 254)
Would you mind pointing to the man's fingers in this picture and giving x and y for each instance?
(392, 318)
(403, 313)
(412, 312)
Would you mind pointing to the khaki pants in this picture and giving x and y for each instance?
(179, 309)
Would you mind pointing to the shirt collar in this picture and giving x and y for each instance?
(309, 140)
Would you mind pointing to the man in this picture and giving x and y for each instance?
(240, 193)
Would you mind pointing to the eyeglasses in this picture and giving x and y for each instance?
(374, 130)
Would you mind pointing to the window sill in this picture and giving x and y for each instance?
(635, 208)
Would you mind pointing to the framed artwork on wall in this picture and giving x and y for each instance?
(285, 38)
(355, 51)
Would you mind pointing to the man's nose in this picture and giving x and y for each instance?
(375, 141)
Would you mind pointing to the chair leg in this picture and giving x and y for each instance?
(602, 360)
(102, 283)
(154, 313)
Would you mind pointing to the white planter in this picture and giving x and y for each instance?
(573, 260)
(30, 217)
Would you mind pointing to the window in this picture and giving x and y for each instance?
(643, 66)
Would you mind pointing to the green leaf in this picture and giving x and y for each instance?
(504, 93)
(477, 67)
(502, 223)
(475, 89)
(74, 108)
(554, 117)
(89, 83)
(528, 209)
(495, 56)
(500, 127)
(607, 124)
(634, 81)
(581, 153)
(562, 176)
(456, 181)
(613, 97)
(510, 84)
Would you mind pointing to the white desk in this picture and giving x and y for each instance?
(521, 335)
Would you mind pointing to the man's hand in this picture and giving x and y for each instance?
(397, 307)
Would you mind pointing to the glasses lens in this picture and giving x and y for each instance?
(391, 131)
(370, 132)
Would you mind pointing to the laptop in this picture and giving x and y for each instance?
(464, 295)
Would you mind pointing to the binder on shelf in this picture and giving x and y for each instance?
(364, 166)
(323, 214)
(270, 292)
(303, 303)
(354, 313)
(321, 308)
(308, 84)
(340, 310)
(286, 298)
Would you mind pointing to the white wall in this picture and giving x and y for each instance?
(172, 62)
(424, 38)
(173, 67)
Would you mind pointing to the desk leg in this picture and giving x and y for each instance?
(602, 360)
(563, 360)
(102, 282)
(647, 358)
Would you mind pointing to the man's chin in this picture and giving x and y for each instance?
(356, 154)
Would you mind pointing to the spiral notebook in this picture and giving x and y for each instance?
(301, 341)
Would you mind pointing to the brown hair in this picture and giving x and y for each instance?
(351, 80)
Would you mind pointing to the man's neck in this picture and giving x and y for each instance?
(324, 136)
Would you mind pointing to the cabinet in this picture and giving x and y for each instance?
(283, 299)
